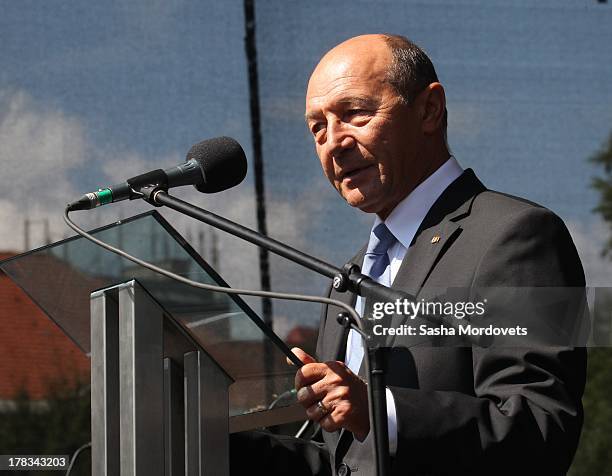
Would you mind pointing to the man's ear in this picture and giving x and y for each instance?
(433, 105)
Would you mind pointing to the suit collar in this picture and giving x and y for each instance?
(439, 229)
(443, 220)
(405, 219)
(456, 201)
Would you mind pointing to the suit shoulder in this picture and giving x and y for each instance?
(502, 217)
(522, 242)
(498, 207)
(492, 199)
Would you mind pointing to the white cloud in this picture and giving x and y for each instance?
(38, 146)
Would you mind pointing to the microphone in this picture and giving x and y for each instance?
(211, 166)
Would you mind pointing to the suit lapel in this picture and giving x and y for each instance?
(423, 255)
(436, 234)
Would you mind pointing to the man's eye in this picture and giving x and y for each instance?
(355, 114)
(317, 127)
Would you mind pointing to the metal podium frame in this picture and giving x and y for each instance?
(147, 373)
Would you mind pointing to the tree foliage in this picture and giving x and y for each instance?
(594, 454)
(604, 186)
(56, 426)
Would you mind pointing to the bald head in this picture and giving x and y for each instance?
(376, 143)
(372, 50)
(396, 59)
(367, 56)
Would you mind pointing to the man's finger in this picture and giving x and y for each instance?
(319, 410)
(303, 356)
(306, 395)
(309, 374)
(310, 394)
(329, 423)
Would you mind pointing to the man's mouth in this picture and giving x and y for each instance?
(354, 174)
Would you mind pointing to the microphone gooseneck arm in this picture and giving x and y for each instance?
(344, 279)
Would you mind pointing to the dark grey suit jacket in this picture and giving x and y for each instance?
(468, 410)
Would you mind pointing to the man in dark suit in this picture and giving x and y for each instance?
(378, 117)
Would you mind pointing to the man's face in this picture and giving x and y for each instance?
(367, 140)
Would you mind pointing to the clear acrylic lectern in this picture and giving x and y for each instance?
(174, 369)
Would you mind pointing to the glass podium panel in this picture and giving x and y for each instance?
(60, 278)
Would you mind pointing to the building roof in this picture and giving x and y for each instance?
(34, 353)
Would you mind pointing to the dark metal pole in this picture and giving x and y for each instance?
(260, 198)
(378, 391)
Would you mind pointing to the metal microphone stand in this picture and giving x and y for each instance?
(344, 279)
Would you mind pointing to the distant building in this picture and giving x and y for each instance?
(35, 355)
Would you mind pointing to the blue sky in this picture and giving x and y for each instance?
(93, 92)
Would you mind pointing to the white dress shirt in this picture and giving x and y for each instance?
(403, 222)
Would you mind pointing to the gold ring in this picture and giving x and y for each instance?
(321, 406)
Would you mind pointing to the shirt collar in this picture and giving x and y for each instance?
(405, 219)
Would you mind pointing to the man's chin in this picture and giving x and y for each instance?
(369, 209)
(369, 204)
(363, 204)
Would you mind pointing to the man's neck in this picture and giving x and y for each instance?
(434, 165)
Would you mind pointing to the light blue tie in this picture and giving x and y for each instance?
(376, 259)
(375, 262)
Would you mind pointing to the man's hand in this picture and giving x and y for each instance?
(332, 395)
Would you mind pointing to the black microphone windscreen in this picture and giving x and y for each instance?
(222, 161)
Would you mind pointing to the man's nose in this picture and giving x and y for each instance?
(338, 138)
